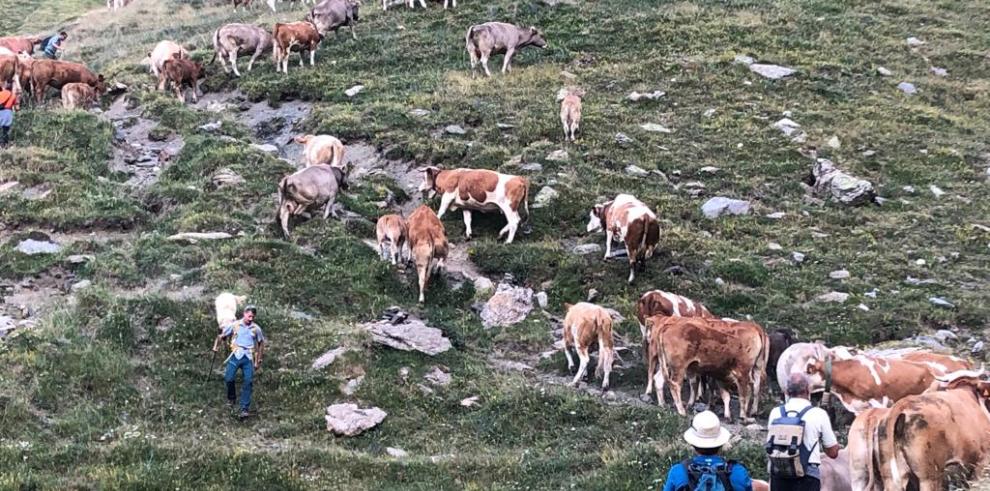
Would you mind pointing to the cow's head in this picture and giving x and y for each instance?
(429, 185)
(536, 38)
(303, 139)
(101, 85)
(340, 173)
(597, 217)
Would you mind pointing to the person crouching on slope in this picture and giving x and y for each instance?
(247, 347)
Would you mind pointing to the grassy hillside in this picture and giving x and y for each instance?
(108, 390)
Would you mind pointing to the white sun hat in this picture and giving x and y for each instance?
(706, 431)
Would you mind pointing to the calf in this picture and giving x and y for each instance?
(584, 325)
(479, 190)
(484, 40)
(164, 51)
(78, 96)
(321, 149)
(392, 233)
(570, 112)
(428, 243)
(308, 188)
(180, 72)
(226, 306)
(331, 15)
(633, 223)
(233, 40)
(301, 36)
(865, 381)
(657, 302)
(57, 73)
(18, 44)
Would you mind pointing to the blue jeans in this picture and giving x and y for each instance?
(247, 366)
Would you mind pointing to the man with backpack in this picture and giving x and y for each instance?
(707, 471)
(798, 433)
(247, 346)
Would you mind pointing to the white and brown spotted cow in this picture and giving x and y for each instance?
(658, 302)
(584, 325)
(868, 381)
(632, 222)
(479, 190)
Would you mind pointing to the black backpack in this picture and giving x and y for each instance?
(707, 478)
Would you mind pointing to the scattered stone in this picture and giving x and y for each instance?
(773, 72)
(563, 73)
(719, 281)
(81, 285)
(834, 297)
(266, 148)
(884, 72)
(834, 142)
(937, 191)
(907, 87)
(585, 249)
(455, 129)
(404, 373)
(542, 300)
(419, 113)
(755, 428)
(777, 215)
(720, 205)
(194, 237)
(655, 128)
(914, 42)
(353, 91)
(910, 280)
(945, 336)
(79, 258)
(743, 60)
(7, 186)
(929, 342)
(908, 189)
(470, 401)
(708, 169)
(349, 420)
(773, 246)
(622, 139)
(546, 196)
(532, 167)
(397, 453)
(941, 72)
(839, 274)
(636, 171)
(872, 293)
(32, 247)
(708, 112)
(437, 377)
(351, 386)
(327, 359)
(592, 295)
(509, 305)
(482, 284)
(558, 156)
(636, 96)
(787, 126)
(408, 334)
(504, 126)
(941, 302)
(846, 189)
(977, 349)
(211, 127)
(863, 307)
(920, 262)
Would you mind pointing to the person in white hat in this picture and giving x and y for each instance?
(707, 470)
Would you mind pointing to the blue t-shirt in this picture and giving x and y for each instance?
(247, 338)
(677, 478)
(53, 45)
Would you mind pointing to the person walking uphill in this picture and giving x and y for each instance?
(797, 434)
(247, 347)
(53, 44)
(707, 471)
(8, 101)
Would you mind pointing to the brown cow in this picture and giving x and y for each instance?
(181, 72)
(658, 302)
(730, 352)
(584, 325)
(866, 381)
(10, 71)
(17, 44)
(392, 234)
(303, 36)
(634, 224)
(428, 243)
(861, 441)
(479, 190)
(484, 40)
(321, 149)
(78, 96)
(57, 73)
(940, 365)
(164, 51)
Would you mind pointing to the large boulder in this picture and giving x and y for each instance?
(721, 205)
(829, 181)
(406, 333)
(350, 420)
(509, 305)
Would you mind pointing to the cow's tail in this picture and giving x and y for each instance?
(524, 209)
(275, 47)
(216, 46)
(606, 346)
(282, 190)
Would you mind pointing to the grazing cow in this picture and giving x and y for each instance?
(927, 438)
(867, 381)
(392, 233)
(309, 188)
(78, 96)
(732, 353)
(233, 40)
(658, 302)
(780, 340)
(632, 222)
(479, 190)
(299, 36)
(164, 51)
(585, 324)
(180, 72)
(321, 149)
(18, 44)
(57, 74)
(570, 112)
(428, 243)
(331, 15)
(226, 306)
(484, 40)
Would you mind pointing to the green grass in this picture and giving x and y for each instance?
(108, 392)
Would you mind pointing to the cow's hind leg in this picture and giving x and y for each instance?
(467, 222)
(507, 60)
(512, 219)
(675, 390)
(233, 62)
(726, 399)
(584, 357)
(570, 360)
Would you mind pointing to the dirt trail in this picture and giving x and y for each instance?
(272, 126)
(134, 152)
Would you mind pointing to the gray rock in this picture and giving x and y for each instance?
(437, 377)
(79, 258)
(32, 247)
(941, 302)
(327, 359)
(300, 315)
(772, 72)
(592, 295)
(652, 96)
(914, 42)
(585, 249)
(938, 71)
(397, 453)
(81, 285)
(708, 169)
(655, 128)
(615, 315)
(419, 113)
(977, 349)
(884, 72)
(910, 280)
(872, 293)
(839, 274)
(787, 126)
(509, 305)
(470, 401)
(863, 307)
(929, 342)
(546, 196)
(194, 237)
(834, 297)
(455, 129)
(743, 60)
(908, 189)
(945, 336)
(844, 188)
(622, 139)
(351, 386)
(7, 186)
(834, 142)
(708, 112)
(504, 126)
(353, 91)
(6, 325)
(211, 127)
(720, 205)
(937, 191)
(636, 171)
(350, 420)
(907, 88)
(227, 177)
(777, 215)
(534, 168)
(411, 335)
(266, 148)
(773, 246)
(482, 284)
(542, 300)
(558, 156)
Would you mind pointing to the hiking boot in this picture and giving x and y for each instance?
(244, 414)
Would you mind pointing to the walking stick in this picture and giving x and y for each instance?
(212, 361)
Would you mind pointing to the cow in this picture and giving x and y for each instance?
(479, 190)
(180, 72)
(780, 340)
(321, 149)
(428, 243)
(861, 449)
(392, 235)
(584, 325)
(164, 51)
(570, 112)
(18, 44)
(412, 4)
(10, 71)
(308, 188)
(233, 40)
(78, 96)
(331, 15)
(658, 302)
(247, 3)
(117, 4)
(303, 36)
(57, 73)
(632, 222)
(226, 306)
(484, 40)
(940, 365)
(869, 381)
(925, 437)
(730, 352)
(799, 356)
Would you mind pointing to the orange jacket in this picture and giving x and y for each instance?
(7, 99)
